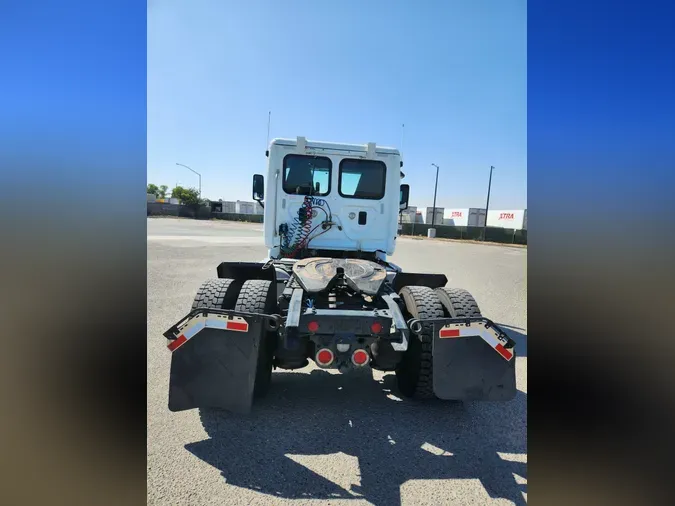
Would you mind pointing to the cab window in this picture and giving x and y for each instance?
(307, 175)
(362, 179)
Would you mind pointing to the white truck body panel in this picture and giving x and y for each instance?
(381, 228)
(512, 218)
(469, 217)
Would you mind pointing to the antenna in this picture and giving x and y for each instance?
(269, 119)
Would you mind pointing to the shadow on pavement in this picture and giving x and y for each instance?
(394, 440)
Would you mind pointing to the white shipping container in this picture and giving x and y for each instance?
(174, 200)
(471, 217)
(245, 207)
(513, 218)
(151, 197)
(229, 206)
(439, 215)
(408, 215)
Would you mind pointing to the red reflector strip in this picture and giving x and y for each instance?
(177, 343)
(448, 333)
(503, 352)
(237, 326)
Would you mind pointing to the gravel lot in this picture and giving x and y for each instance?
(322, 438)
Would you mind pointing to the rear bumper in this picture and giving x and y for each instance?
(338, 322)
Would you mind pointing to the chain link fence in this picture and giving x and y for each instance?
(492, 234)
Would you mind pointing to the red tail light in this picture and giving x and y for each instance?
(376, 328)
(360, 357)
(324, 357)
(313, 326)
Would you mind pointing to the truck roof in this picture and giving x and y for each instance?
(336, 146)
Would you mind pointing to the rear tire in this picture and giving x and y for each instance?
(458, 303)
(218, 293)
(414, 373)
(258, 296)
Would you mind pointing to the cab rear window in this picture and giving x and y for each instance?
(362, 179)
(307, 175)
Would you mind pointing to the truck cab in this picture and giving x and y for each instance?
(331, 199)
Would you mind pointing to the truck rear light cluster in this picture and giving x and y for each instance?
(376, 328)
(324, 357)
(313, 326)
(360, 357)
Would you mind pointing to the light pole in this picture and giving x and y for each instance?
(200, 177)
(433, 216)
(487, 204)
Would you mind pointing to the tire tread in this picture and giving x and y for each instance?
(416, 377)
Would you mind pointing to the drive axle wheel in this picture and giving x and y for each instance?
(258, 296)
(216, 294)
(414, 373)
(458, 303)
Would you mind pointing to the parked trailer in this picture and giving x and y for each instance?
(439, 215)
(229, 206)
(245, 207)
(515, 219)
(469, 217)
(327, 293)
(409, 215)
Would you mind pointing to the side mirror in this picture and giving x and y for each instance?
(405, 194)
(258, 187)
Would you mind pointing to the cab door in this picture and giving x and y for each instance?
(361, 187)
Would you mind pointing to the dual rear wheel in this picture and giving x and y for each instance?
(253, 296)
(415, 371)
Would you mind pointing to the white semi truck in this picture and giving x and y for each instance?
(327, 293)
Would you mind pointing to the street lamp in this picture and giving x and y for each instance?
(433, 216)
(487, 204)
(200, 177)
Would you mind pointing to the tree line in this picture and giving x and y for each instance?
(187, 196)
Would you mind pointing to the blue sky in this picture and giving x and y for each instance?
(454, 72)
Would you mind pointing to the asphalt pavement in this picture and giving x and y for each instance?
(324, 438)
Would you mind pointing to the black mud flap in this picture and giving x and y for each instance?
(473, 359)
(214, 356)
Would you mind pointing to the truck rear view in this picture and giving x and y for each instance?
(327, 294)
